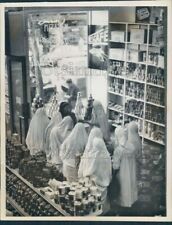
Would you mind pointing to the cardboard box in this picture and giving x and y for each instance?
(138, 36)
(133, 56)
(161, 61)
(118, 36)
(117, 53)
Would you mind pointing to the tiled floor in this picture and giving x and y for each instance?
(151, 185)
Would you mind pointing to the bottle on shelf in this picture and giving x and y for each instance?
(154, 132)
(155, 95)
(135, 90)
(155, 114)
(134, 107)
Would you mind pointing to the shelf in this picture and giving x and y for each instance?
(114, 93)
(149, 64)
(135, 80)
(157, 105)
(116, 76)
(132, 115)
(121, 42)
(113, 109)
(57, 207)
(159, 124)
(155, 85)
(16, 206)
(123, 60)
(150, 139)
(135, 43)
(129, 23)
(129, 97)
(142, 63)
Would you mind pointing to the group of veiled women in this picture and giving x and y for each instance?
(80, 152)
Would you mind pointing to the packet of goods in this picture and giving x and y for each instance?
(54, 184)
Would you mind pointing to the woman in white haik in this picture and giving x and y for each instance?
(71, 151)
(98, 167)
(56, 119)
(35, 135)
(124, 159)
(99, 118)
(57, 136)
(95, 132)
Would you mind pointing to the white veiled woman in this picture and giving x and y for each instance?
(95, 132)
(98, 168)
(57, 135)
(127, 165)
(56, 119)
(99, 118)
(71, 151)
(35, 135)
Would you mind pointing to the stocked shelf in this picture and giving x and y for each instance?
(50, 202)
(114, 93)
(14, 204)
(150, 139)
(137, 99)
(114, 109)
(159, 124)
(139, 62)
(155, 85)
(151, 103)
(116, 76)
(134, 116)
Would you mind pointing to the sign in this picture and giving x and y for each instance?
(98, 47)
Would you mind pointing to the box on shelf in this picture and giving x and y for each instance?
(118, 36)
(133, 56)
(155, 37)
(161, 61)
(117, 53)
(138, 36)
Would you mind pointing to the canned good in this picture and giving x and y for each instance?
(78, 207)
(85, 192)
(71, 196)
(98, 197)
(61, 199)
(78, 194)
(62, 190)
(67, 188)
(93, 190)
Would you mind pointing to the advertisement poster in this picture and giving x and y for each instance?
(98, 47)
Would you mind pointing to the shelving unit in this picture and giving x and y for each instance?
(35, 190)
(136, 66)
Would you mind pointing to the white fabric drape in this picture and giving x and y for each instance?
(36, 132)
(124, 158)
(99, 118)
(57, 135)
(95, 132)
(72, 148)
(56, 119)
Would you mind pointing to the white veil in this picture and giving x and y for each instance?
(35, 135)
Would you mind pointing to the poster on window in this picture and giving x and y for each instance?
(98, 47)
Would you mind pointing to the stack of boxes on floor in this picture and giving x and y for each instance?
(151, 179)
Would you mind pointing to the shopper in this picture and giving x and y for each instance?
(56, 119)
(71, 151)
(36, 132)
(57, 136)
(72, 93)
(66, 110)
(99, 118)
(98, 168)
(128, 145)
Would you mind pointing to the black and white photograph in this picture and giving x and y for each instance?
(86, 111)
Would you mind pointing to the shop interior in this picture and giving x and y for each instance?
(77, 80)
